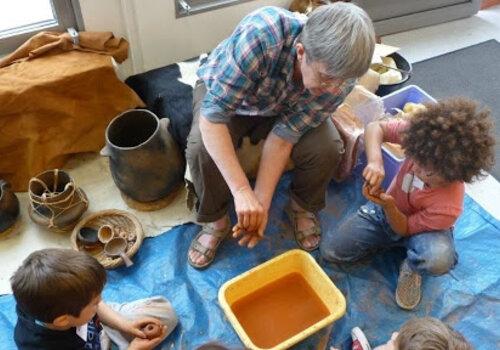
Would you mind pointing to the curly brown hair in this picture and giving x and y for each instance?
(453, 138)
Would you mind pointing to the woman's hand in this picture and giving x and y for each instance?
(250, 238)
(249, 210)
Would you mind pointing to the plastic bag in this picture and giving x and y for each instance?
(365, 105)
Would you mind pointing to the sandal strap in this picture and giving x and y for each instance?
(200, 248)
(302, 234)
(302, 214)
(217, 233)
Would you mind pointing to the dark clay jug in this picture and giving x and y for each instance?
(145, 162)
(9, 207)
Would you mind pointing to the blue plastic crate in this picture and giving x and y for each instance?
(410, 93)
(398, 99)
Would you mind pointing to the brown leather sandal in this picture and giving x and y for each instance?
(300, 235)
(208, 253)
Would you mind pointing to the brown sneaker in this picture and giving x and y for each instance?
(408, 291)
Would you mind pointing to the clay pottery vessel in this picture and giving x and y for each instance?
(117, 248)
(9, 208)
(55, 201)
(88, 237)
(145, 162)
(152, 330)
(105, 234)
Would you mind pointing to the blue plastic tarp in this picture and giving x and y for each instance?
(468, 298)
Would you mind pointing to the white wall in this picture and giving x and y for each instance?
(156, 37)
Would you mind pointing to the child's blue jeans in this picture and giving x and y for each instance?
(368, 231)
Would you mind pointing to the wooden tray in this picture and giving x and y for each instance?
(121, 220)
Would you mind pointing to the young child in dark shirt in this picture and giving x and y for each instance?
(59, 306)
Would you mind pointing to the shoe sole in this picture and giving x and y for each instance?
(407, 307)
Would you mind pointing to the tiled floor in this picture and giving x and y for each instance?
(424, 43)
(91, 173)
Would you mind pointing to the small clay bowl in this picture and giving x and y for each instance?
(105, 234)
(116, 248)
(88, 236)
(152, 330)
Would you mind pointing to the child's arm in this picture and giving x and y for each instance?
(374, 171)
(116, 321)
(148, 344)
(397, 220)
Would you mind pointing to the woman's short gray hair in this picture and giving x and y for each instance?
(341, 36)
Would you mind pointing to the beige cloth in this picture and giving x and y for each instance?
(351, 130)
(58, 104)
(157, 307)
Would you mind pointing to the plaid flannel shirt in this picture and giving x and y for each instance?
(251, 73)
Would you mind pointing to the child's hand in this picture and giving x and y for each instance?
(374, 175)
(135, 327)
(375, 198)
(380, 198)
(148, 344)
(387, 200)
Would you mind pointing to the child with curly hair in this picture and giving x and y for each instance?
(447, 144)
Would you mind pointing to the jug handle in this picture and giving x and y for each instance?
(105, 151)
(164, 123)
(4, 185)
